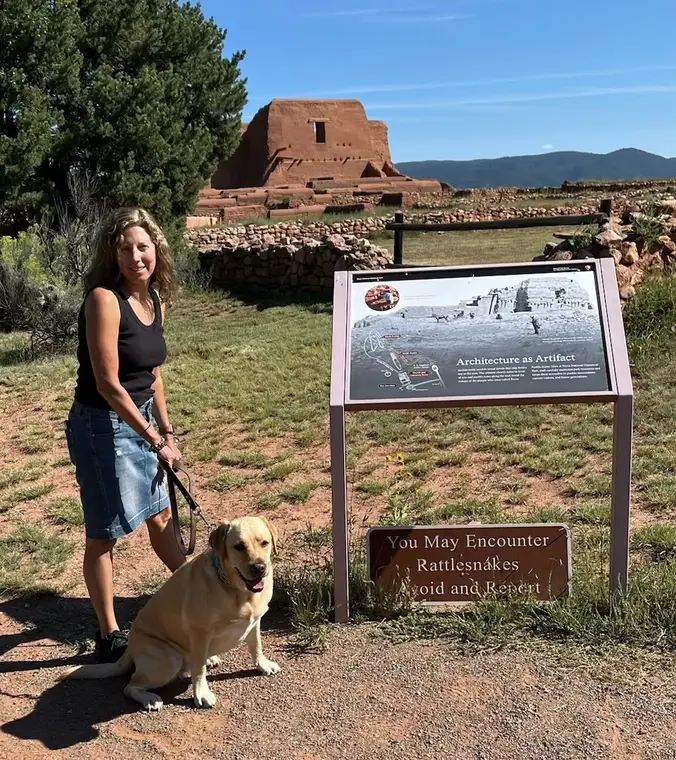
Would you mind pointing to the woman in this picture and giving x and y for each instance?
(119, 398)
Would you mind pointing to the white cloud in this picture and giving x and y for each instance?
(362, 12)
(524, 98)
(421, 19)
(422, 86)
(403, 15)
(548, 147)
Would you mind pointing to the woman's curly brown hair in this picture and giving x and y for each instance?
(104, 269)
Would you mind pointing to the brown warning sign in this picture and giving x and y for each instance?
(452, 564)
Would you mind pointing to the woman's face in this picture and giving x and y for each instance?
(136, 256)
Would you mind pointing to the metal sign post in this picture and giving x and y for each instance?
(533, 333)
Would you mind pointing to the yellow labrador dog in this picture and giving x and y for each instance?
(208, 606)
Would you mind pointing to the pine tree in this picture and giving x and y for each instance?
(136, 92)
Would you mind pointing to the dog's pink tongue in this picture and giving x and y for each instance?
(261, 583)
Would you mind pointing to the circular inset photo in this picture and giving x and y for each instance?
(382, 297)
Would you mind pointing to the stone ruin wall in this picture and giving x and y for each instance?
(206, 238)
(306, 264)
(621, 239)
(305, 256)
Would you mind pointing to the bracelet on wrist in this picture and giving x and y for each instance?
(157, 447)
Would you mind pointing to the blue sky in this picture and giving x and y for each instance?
(463, 79)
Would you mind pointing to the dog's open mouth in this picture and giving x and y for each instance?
(254, 586)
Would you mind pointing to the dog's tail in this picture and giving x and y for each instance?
(104, 670)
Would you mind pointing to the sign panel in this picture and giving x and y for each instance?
(451, 564)
(486, 331)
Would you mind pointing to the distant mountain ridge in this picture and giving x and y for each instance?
(544, 170)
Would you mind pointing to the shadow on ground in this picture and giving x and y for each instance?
(69, 712)
(263, 298)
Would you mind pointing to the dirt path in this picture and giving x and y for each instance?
(361, 698)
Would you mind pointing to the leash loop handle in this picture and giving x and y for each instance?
(173, 483)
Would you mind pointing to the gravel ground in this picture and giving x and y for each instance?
(362, 697)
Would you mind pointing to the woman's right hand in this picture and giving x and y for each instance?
(170, 454)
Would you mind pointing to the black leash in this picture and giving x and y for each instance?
(173, 483)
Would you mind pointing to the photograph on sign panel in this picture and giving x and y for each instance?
(486, 335)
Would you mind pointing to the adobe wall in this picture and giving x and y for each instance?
(291, 142)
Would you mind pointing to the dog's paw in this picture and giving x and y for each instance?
(204, 697)
(267, 667)
(214, 662)
(154, 705)
(150, 701)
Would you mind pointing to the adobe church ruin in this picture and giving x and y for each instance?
(292, 142)
(306, 157)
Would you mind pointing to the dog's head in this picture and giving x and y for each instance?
(245, 547)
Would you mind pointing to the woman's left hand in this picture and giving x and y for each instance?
(176, 454)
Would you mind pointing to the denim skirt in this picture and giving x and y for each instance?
(120, 479)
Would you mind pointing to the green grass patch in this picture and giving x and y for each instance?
(658, 492)
(25, 493)
(30, 556)
(298, 493)
(269, 500)
(373, 487)
(481, 510)
(408, 502)
(658, 540)
(63, 461)
(66, 510)
(649, 320)
(32, 470)
(451, 459)
(281, 470)
(594, 484)
(228, 481)
(35, 440)
(245, 459)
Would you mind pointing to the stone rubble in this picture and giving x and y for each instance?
(638, 242)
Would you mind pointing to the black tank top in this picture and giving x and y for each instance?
(140, 349)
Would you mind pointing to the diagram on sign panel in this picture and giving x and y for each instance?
(414, 376)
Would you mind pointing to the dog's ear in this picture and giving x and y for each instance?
(217, 538)
(273, 533)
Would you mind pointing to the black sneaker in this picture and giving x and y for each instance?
(110, 648)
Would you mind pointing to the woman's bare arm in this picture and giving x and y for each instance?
(102, 313)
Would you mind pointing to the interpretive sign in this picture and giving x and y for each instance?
(456, 564)
(546, 332)
(500, 330)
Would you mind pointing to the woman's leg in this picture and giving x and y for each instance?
(98, 574)
(163, 540)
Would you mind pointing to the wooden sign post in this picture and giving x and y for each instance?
(534, 333)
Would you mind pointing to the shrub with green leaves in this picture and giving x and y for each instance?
(649, 225)
(650, 317)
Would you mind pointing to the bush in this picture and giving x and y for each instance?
(53, 321)
(66, 234)
(650, 317)
(652, 312)
(649, 225)
(187, 266)
(17, 293)
(584, 238)
(33, 298)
